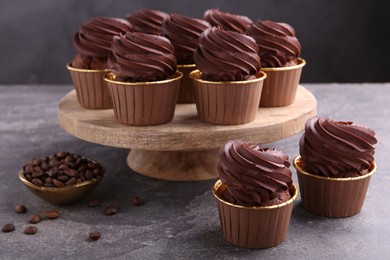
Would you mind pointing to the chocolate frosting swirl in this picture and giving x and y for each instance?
(184, 32)
(227, 21)
(94, 37)
(147, 21)
(278, 46)
(140, 57)
(336, 149)
(226, 55)
(253, 176)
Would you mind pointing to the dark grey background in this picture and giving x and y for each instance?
(342, 41)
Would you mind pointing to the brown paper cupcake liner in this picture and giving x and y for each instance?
(186, 91)
(144, 103)
(90, 88)
(280, 86)
(254, 227)
(332, 197)
(227, 103)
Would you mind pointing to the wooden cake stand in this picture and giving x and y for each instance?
(185, 149)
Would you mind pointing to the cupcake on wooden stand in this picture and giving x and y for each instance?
(279, 51)
(228, 83)
(144, 82)
(255, 194)
(93, 44)
(184, 32)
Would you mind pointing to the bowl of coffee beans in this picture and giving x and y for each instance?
(61, 178)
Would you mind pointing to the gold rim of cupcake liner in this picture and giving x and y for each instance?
(301, 63)
(196, 74)
(186, 66)
(298, 168)
(64, 188)
(293, 189)
(69, 67)
(111, 78)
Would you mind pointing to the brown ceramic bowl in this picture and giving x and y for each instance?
(62, 195)
(254, 227)
(332, 197)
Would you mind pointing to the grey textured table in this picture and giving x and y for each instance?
(178, 220)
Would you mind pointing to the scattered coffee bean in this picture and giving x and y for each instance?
(95, 235)
(110, 210)
(34, 219)
(93, 202)
(8, 228)
(59, 168)
(136, 201)
(30, 230)
(52, 214)
(20, 209)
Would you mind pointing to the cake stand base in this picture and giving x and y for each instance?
(175, 165)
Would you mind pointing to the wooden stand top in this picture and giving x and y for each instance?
(185, 132)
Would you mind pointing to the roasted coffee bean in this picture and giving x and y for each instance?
(70, 172)
(34, 219)
(62, 154)
(37, 174)
(63, 166)
(30, 230)
(110, 210)
(95, 235)
(88, 174)
(8, 228)
(82, 175)
(79, 180)
(36, 162)
(45, 166)
(48, 180)
(83, 167)
(20, 209)
(52, 156)
(37, 181)
(29, 168)
(71, 181)
(58, 183)
(54, 163)
(97, 171)
(63, 178)
(136, 201)
(48, 184)
(28, 177)
(93, 202)
(69, 159)
(52, 214)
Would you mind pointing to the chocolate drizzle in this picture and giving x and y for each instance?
(278, 46)
(253, 176)
(226, 56)
(336, 149)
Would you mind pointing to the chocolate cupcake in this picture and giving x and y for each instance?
(93, 44)
(144, 82)
(255, 194)
(147, 21)
(228, 83)
(184, 33)
(227, 21)
(279, 52)
(335, 166)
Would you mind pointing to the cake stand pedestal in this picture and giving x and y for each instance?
(185, 149)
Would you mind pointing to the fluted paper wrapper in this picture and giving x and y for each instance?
(332, 197)
(91, 89)
(186, 91)
(254, 227)
(144, 103)
(227, 103)
(281, 84)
